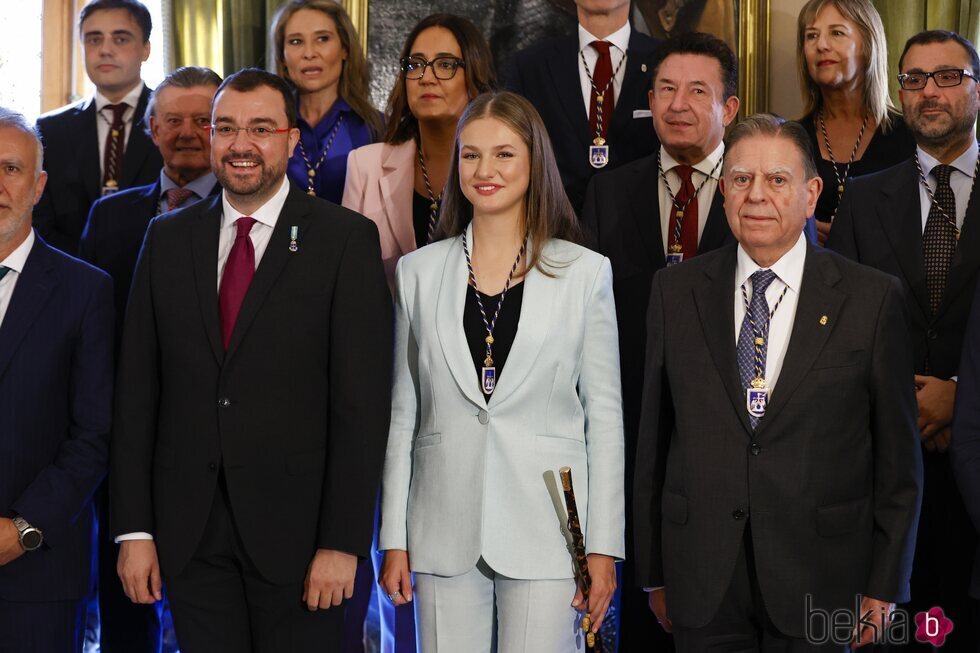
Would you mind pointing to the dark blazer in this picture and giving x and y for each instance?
(621, 217)
(964, 448)
(114, 232)
(879, 223)
(55, 410)
(295, 412)
(71, 159)
(833, 502)
(547, 74)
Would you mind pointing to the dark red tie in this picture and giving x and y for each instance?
(601, 78)
(177, 196)
(239, 270)
(689, 223)
(112, 163)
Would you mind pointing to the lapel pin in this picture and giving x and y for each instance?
(823, 320)
(643, 68)
(293, 235)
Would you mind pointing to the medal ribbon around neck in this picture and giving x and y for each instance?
(932, 196)
(433, 201)
(759, 381)
(312, 170)
(847, 169)
(676, 246)
(489, 370)
(599, 95)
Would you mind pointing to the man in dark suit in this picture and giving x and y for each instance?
(692, 101)
(252, 413)
(563, 79)
(55, 408)
(179, 117)
(750, 512)
(920, 221)
(98, 146)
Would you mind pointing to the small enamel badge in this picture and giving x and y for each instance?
(823, 320)
(293, 235)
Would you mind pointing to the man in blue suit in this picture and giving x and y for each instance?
(56, 322)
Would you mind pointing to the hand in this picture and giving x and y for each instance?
(10, 548)
(602, 570)
(657, 600)
(872, 622)
(935, 397)
(940, 441)
(329, 579)
(396, 576)
(139, 571)
(823, 230)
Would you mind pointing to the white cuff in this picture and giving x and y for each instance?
(140, 535)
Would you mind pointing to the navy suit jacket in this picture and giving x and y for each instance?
(114, 233)
(71, 159)
(547, 75)
(55, 408)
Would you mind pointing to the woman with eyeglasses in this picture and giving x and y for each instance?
(318, 52)
(506, 370)
(398, 183)
(842, 59)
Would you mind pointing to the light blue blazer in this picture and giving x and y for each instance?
(463, 478)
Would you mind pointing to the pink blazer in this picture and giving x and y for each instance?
(380, 180)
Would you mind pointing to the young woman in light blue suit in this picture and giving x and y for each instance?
(506, 368)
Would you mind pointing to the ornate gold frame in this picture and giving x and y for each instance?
(358, 12)
(753, 56)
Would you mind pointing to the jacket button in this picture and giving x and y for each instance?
(738, 514)
(212, 467)
(931, 334)
(755, 449)
(224, 402)
(484, 417)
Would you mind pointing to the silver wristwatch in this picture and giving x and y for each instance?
(30, 537)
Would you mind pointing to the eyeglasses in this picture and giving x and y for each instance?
(944, 78)
(256, 133)
(442, 67)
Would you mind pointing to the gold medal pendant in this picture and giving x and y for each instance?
(757, 398)
(599, 153)
(488, 374)
(675, 254)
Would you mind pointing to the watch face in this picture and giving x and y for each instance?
(31, 539)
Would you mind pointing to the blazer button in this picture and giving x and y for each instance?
(931, 334)
(755, 449)
(484, 417)
(224, 402)
(738, 514)
(212, 467)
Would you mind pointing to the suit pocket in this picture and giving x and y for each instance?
(674, 507)
(428, 440)
(306, 462)
(831, 358)
(841, 518)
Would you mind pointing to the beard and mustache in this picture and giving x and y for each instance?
(940, 129)
(267, 182)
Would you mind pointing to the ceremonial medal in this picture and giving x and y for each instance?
(110, 187)
(489, 379)
(293, 235)
(311, 170)
(675, 255)
(599, 153)
(757, 398)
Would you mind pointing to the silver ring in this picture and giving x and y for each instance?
(395, 595)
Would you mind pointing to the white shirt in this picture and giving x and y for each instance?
(789, 275)
(266, 217)
(619, 40)
(702, 172)
(104, 119)
(15, 261)
(960, 180)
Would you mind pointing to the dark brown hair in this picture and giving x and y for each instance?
(708, 46)
(354, 77)
(547, 211)
(184, 77)
(249, 79)
(942, 36)
(477, 68)
(137, 10)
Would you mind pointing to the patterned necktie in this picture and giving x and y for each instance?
(689, 221)
(112, 163)
(177, 196)
(758, 314)
(3, 271)
(600, 78)
(239, 270)
(939, 236)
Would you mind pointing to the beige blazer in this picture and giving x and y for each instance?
(380, 179)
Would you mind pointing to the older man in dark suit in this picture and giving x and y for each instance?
(55, 406)
(748, 510)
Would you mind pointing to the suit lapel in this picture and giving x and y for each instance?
(295, 212)
(818, 298)
(449, 322)
(33, 289)
(138, 146)
(716, 310)
(966, 260)
(901, 220)
(646, 215)
(397, 185)
(204, 253)
(716, 230)
(89, 150)
(633, 83)
(563, 62)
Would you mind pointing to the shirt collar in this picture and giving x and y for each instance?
(132, 98)
(788, 269)
(965, 163)
(201, 186)
(620, 39)
(267, 214)
(705, 166)
(18, 258)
